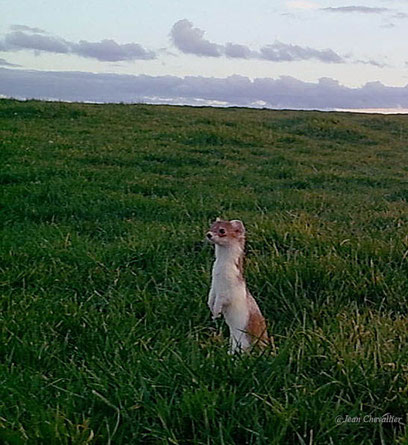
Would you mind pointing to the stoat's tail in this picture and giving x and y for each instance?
(256, 327)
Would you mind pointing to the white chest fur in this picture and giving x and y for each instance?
(229, 288)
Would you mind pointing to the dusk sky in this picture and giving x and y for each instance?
(278, 54)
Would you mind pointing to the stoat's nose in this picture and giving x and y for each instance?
(209, 235)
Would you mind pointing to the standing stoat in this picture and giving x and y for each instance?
(229, 294)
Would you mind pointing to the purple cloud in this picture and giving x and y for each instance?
(105, 50)
(110, 51)
(239, 51)
(185, 37)
(20, 40)
(191, 40)
(283, 52)
(283, 92)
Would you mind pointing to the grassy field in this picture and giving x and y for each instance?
(106, 337)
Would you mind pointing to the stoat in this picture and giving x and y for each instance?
(229, 294)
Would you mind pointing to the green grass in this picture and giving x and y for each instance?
(105, 332)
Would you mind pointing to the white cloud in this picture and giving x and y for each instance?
(356, 9)
(3, 62)
(302, 5)
(27, 28)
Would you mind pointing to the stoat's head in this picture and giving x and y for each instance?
(226, 233)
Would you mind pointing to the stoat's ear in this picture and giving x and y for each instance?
(238, 225)
(218, 219)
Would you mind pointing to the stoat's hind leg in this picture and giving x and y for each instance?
(232, 345)
(239, 341)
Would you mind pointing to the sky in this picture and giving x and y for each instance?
(299, 54)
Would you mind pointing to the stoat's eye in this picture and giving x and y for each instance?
(222, 231)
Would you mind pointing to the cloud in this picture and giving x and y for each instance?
(110, 51)
(283, 52)
(400, 16)
(283, 92)
(373, 62)
(4, 62)
(27, 28)
(301, 4)
(235, 50)
(388, 13)
(185, 37)
(22, 40)
(191, 40)
(105, 50)
(358, 9)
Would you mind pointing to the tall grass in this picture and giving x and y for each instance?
(105, 332)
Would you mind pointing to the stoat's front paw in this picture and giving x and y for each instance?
(215, 316)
